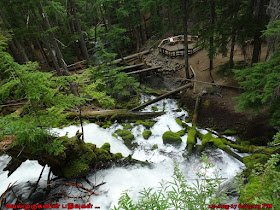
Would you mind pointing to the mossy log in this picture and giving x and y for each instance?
(75, 160)
(191, 140)
(119, 114)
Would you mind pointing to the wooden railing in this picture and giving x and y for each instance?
(178, 52)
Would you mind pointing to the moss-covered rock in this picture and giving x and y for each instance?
(155, 146)
(127, 126)
(171, 138)
(127, 137)
(147, 134)
(122, 133)
(128, 140)
(106, 146)
(106, 125)
(148, 124)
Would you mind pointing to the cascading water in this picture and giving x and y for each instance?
(136, 177)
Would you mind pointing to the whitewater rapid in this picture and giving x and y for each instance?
(134, 178)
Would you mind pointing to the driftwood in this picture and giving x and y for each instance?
(115, 114)
(209, 83)
(161, 97)
(144, 70)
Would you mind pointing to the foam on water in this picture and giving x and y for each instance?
(135, 178)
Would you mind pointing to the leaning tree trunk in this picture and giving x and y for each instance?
(56, 47)
(79, 30)
(185, 23)
(48, 45)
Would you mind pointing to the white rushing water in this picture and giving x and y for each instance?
(136, 177)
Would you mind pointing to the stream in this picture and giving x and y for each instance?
(136, 177)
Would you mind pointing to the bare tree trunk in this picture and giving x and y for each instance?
(211, 41)
(231, 63)
(56, 47)
(48, 45)
(185, 24)
(78, 28)
(42, 52)
(257, 38)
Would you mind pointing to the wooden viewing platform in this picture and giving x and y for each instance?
(176, 48)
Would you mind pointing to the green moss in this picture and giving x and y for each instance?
(191, 135)
(106, 146)
(178, 110)
(122, 133)
(102, 155)
(107, 124)
(206, 138)
(181, 123)
(117, 156)
(154, 108)
(229, 132)
(182, 132)
(76, 169)
(148, 124)
(171, 138)
(127, 126)
(191, 140)
(251, 160)
(114, 135)
(219, 143)
(155, 146)
(147, 134)
(128, 140)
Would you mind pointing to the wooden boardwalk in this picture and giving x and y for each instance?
(176, 48)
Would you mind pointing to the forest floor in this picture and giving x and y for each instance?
(218, 107)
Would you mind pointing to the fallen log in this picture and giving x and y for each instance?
(143, 70)
(127, 68)
(119, 114)
(131, 56)
(160, 97)
(221, 136)
(192, 132)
